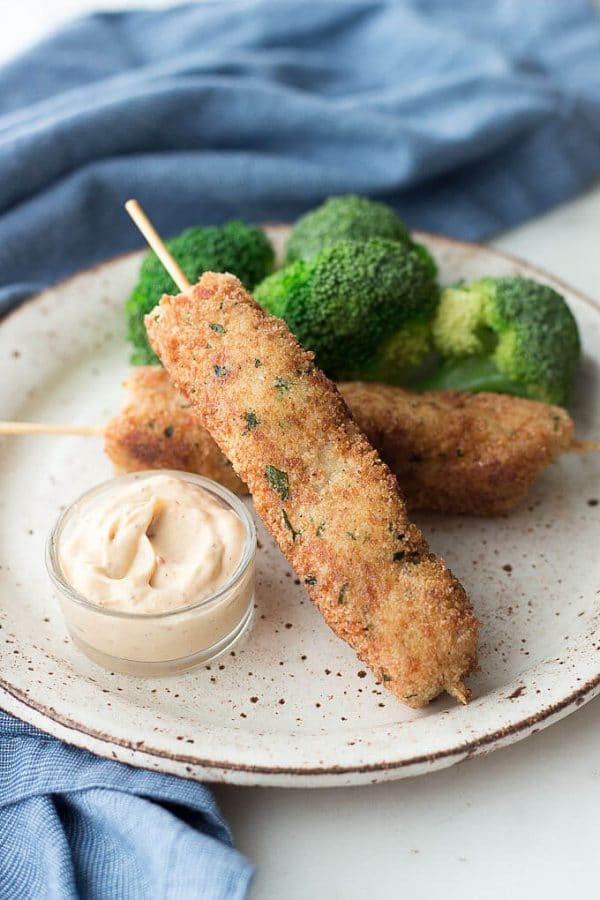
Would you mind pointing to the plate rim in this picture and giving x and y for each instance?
(499, 736)
(420, 235)
(474, 747)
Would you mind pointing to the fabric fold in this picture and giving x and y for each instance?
(75, 825)
(467, 118)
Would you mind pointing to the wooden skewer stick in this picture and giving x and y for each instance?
(173, 268)
(578, 446)
(156, 243)
(17, 428)
(48, 428)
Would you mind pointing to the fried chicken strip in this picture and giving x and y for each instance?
(455, 452)
(331, 504)
(157, 428)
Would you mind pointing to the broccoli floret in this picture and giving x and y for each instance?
(235, 247)
(510, 335)
(348, 218)
(365, 309)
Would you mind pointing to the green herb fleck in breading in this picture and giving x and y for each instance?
(279, 481)
(281, 385)
(342, 593)
(252, 421)
(289, 525)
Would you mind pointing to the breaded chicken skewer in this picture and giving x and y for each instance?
(454, 452)
(457, 452)
(157, 428)
(331, 504)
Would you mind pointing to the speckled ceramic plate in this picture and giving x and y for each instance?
(293, 706)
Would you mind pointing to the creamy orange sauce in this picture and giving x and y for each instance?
(152, 546)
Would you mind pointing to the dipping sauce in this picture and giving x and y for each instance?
(154, 571)
(153, 546)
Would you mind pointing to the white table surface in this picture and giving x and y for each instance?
(523, 822)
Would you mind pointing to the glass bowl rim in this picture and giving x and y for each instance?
(234, 502)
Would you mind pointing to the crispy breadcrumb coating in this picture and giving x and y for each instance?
(474, 454)
(158, 429)
(455, 452)
(331, 504)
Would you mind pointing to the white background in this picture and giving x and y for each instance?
(521, 823)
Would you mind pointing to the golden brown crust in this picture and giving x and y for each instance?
(455, 452)
(158, 429)
(333, 507)
(474, 454)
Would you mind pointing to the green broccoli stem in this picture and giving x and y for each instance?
(475, 373)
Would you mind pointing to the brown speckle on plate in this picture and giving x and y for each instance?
(82, 313)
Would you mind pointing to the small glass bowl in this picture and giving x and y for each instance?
(157, 643)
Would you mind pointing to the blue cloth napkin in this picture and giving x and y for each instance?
(73, 825)
(468, 117)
